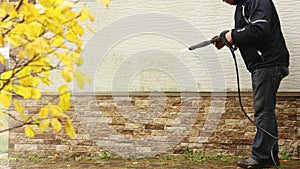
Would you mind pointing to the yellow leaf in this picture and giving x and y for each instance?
(78, 29)
(29, 132)
(36, 121)
(81, 79)
(71, 36)
(44, 125)
(64, 58)
(105, 2)
(7, 75)
(1, 41)
(29, 50)
(56, 111)
(20, 109)
(90, 29)
(35, 81)
(41, 65)
(54, 26)
(45, 80)
(35, 93)
(10, 9)
(5, 99)
(44, 112)
(19, 29)
(79, 44)
(25, 92)
(64, 101)
(70, 129)
(2, 60)
(78, 49)
(16, 39)
(65, 73)
(2, 13)
(78, 60)
(47, 3)
(62, 88)
(43, 45)
(56, 124)
(57, 41)
(28, 81)
(34, 30)
(68, 13)
(85, 13)
(31, 12)
(59, 17)
(23, 72)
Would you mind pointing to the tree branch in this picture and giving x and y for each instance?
(17, 8)
(15, 127)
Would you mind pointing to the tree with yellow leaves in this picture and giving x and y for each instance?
(42, 38)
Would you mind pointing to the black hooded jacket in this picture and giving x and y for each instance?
(258, 34)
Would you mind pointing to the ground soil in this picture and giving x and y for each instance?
(159, 162)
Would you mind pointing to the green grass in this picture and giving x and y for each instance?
(188, 160)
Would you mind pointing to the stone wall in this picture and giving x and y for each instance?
(147, 124)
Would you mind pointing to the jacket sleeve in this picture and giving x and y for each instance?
(257, 14)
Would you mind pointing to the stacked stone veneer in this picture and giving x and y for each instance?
(148, 124)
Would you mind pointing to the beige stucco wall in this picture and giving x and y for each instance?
(137, 43)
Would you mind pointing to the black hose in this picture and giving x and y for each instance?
(232, 49)
(243, 110)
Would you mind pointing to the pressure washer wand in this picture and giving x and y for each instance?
(205, 43)
(220, 38)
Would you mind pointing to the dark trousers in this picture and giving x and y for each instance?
(265, 83)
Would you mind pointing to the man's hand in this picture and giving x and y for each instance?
(229, 37)
(220, 44)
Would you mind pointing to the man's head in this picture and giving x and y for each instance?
(231, 2)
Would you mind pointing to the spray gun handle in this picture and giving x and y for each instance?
(223, 39)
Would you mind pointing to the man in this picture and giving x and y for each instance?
(259, 38)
